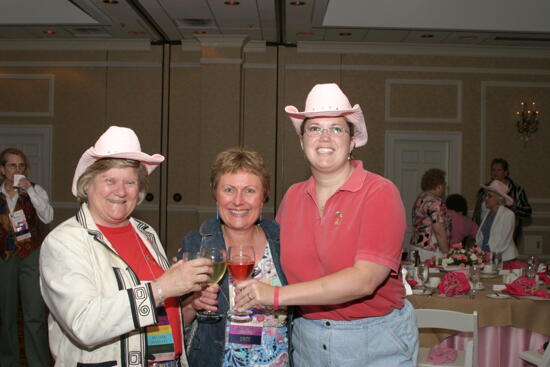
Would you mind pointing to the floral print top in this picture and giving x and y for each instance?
(428, 209)
(266, 330)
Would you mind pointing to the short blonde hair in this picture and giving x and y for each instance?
(105, 164)
(237, 159)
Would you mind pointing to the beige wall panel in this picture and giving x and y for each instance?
(529, 164)
(179, 55)
(180, 224)
(419, 101)
(79, 120)
(24, 95)
(154, 55)
(260, 101)
(219, 130)
(184, 138)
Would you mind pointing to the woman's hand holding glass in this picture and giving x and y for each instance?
(253, 293)
(184, 277)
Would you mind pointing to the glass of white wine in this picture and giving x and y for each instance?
(219, 266)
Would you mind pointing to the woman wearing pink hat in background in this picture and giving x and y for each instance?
(104, 275)
(496, 231)
(341, 237)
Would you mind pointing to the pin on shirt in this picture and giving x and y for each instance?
(339, 218)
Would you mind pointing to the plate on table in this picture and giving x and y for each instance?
(418, 291)
(488, 275)
(498, 296)
(450, 268)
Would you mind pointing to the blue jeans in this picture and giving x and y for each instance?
(389, 340)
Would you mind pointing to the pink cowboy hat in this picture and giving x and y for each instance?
(116, 142)
(328, 100)
(501, 189)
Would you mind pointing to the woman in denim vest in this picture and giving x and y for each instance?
(240, 184)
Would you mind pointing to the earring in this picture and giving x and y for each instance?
(218, 216)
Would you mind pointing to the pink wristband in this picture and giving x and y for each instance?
(276, 298)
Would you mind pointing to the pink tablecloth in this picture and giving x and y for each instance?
(499, 346)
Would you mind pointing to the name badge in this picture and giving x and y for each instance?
(245, 334)
(160, 342)
(20, 225)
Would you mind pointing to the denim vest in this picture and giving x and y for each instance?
(205, 342)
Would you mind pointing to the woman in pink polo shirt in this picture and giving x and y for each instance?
(341, 237)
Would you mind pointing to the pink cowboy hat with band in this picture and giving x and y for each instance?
(501, 189)
(116, 142)
(328, 100)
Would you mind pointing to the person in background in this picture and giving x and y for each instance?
(240, 184)
(23, 205)
(341, 237)
(495, 233)
(113, 298)
(431, 225)
(520, 205)
(463, 229)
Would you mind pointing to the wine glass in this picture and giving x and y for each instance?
(422, 273)
(219, 265)
(496, 258)
(474, 277)
(240, 262)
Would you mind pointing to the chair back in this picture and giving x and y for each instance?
(546, 357)
(452, 320)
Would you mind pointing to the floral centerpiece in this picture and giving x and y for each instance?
(460, 256)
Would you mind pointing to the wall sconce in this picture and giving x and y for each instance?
(527, 122)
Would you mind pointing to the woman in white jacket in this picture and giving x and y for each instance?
(496, 231)
(113, 296)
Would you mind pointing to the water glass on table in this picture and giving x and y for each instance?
(474, 275)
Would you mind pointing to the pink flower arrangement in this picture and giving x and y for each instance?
(458, 255)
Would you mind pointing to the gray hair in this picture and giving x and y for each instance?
(105, 164)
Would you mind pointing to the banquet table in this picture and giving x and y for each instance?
(507, 325)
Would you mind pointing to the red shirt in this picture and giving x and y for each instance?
(363, 220)
(133, 251)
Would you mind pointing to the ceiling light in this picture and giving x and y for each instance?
(304, 33)
(297, 3)
(345, 34)
(231, 2)
(200, 32)
(110, 1)
(49, 32)
(468, 37)
(427, 36)
(137, 33)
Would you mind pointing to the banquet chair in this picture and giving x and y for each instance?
(534, 357)
(450, 320)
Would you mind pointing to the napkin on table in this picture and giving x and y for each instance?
(544, 277)
(524, 286)
(440, 354)
(515, 264)
(453, 284)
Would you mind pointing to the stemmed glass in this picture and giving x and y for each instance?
(422, 273)
(474, 277)
(240, 262)
(496, 258)
(219, 265)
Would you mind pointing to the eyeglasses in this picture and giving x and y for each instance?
(15, 165)
(332, 131)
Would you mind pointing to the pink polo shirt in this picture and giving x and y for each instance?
(363, 220)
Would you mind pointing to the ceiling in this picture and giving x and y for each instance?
(438, 22)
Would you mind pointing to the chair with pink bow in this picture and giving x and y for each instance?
(450, 320)
(536, 358)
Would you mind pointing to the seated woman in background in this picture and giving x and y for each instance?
(430, 222)
(463, 229)
(496, 231)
